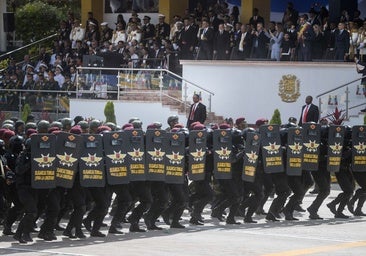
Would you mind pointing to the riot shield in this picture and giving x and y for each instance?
(359, 148)
(136, 155)
(43, 165)
(222, 148)
(68, 148)
(335, 146)
(91, 165)
(175, 158)
(252, 146)
(155, 153)
(271, 148)
(115, 155)
(311, 142)
(294, 151)
(197, 155)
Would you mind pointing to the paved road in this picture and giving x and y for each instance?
(305, 237)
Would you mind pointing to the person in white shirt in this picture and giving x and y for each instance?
(77, 33)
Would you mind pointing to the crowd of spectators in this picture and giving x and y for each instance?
(205, 33)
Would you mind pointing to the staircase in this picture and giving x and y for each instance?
(169, 98)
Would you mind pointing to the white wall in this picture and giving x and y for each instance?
(147, 112)
(250, 89)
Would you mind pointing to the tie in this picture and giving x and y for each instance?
(304, 114)
(191, 116)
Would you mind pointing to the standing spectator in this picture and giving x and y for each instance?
(119, 35)
(148, 31)
(305, 36)
(291, 14)
(260, 41)
(77, 33)
(106, 33)
(162, 29)
(318, 44)
(221, 44)
(206, 40)
(188, 40)
(276, 41)
(342, 43)
(256, 18)
(91, 19)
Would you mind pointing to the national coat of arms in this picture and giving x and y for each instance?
(289, 89)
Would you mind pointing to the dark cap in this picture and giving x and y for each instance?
(261, 121)
(76, 129)
(147, 17)
(239, 120)
(224, 126)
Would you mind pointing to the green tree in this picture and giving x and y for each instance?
(109, 112)
(276, 118)
(37, 20)
(26, 112)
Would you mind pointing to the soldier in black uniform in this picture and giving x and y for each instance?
(162, 29)
(203, 192)
(231, 196)
(14, 147)
(27, 195)
(345, 181)
(321, 177)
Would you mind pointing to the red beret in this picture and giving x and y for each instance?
(76, 129)
(2, 130)
(55, 132)
(175, 129)
(214, 127)
(199, 127)
(127, 125)
(180, 126)
(239, 120)
(31, 131)
(152, 126)
(103, 128)
(8, 134)
(52, 129)
(193, 124)
(128, 128)
(261, 121)
(224, 126)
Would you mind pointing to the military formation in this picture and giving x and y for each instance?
(83, 169)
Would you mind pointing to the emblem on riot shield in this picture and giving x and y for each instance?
(272, 148)
(136, 155)
(360, 148)
(45, 160)
(92, 160)
(66, 159)
(311, 146)
(252, 157)
(295, 148)
(175, 158)
(336, 148)
(223, 153)
(198, 155)
(156, 154)
(117, 157)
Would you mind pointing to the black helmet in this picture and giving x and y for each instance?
(66, 122)
(56, 124)
(83, 125)
(16, 144)
(30, 125)
(173, 118)
(28, 144)
(94, 124)
(111, 125)
(248, 130)
(43, 126)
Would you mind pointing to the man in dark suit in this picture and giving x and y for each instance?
(243, 43)
(260, 41)
(205, 37)
(197, 112)
(222, 43)
(309, 112)
(187, 40)
(148, 30)
(341, 42)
